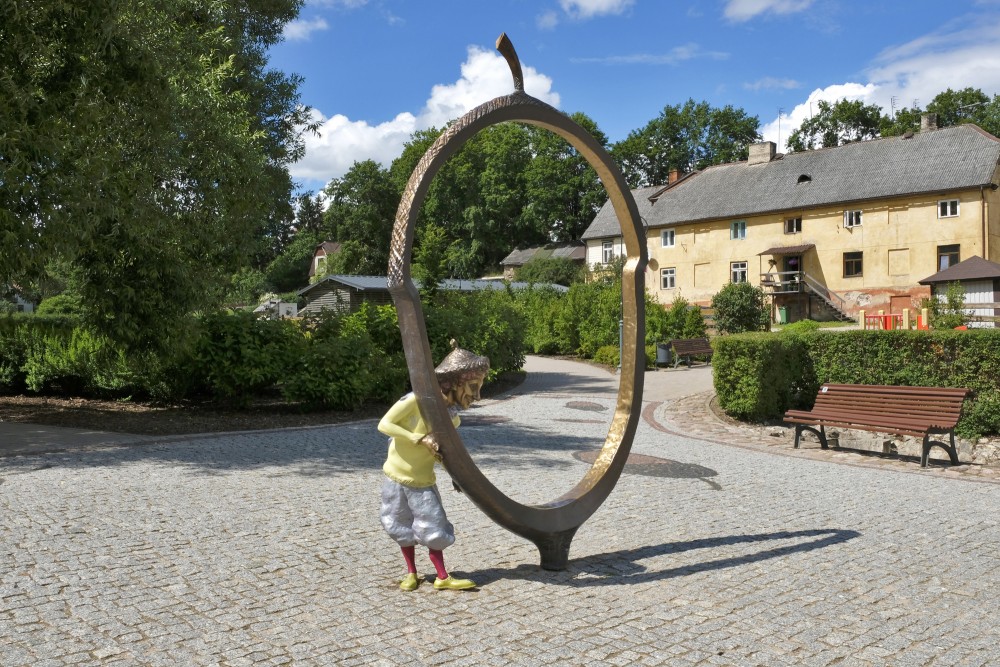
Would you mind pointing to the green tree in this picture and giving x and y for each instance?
(949, 312)
(430, 259)
(969, 105)
(360, 214)
(740, 307)
(839, 123)
(905, 120)
(309, 214)
(685, 137)
(290, 270)
(246, 287)
(563, 192)
(954, 107)
(147, 145)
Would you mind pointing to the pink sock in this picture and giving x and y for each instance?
(409, 555)
(437, 558)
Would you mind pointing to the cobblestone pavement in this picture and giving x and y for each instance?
(265, 549)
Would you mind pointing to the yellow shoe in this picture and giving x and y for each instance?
(410, 582)
(453, 584)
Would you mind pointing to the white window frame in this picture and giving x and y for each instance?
(852, 219)
(668, 278)
(947, 208)
(796, 225)
(738, 230)
(738, 272)
(607, 251)
(667, 238)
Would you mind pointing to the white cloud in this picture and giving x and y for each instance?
(676, 55)
(585, 9)
(744, 10)
(771, 83)
(953, 57)
(547, 21)
(341, 142)
(301, 29)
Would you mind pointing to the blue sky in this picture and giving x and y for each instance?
(377, 70)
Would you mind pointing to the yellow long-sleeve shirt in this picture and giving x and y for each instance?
(408, 463)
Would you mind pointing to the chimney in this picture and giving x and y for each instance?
(672, 176)
(761, 153)
(928, 121)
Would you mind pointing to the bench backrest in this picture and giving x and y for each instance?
(691, 346)
(929, 407)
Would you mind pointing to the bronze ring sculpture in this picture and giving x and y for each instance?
(549, 526)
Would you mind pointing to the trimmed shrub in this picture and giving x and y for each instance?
(759, 376)
(740, 307)
(237, 355)
(542, 309)
(607, 355)
(332, 371)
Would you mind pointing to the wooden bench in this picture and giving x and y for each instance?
(689, 347)
(916, 411)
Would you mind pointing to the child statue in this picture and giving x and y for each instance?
(411, 511)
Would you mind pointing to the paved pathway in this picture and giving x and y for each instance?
(265, 549)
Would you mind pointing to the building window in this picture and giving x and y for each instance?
(947, 256)
(668, 278)
(793, 226)
(853, 264)
(852, 219)
(667, 238)
(738, 230)
(739, 272)
(607, 251)
(948, 208)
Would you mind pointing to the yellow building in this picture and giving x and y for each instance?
(826, 232)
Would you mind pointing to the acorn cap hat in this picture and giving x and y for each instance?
(461, 365)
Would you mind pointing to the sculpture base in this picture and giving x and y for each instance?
(554, 549)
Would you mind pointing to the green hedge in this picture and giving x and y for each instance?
(333, 361)
(760, 375)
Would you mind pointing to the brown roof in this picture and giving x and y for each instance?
(974, 268)
(788, 249)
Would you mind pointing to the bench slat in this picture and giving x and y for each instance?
(902, 412)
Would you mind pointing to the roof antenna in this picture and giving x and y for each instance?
(506, 49)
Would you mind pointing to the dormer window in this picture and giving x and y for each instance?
(805, 178)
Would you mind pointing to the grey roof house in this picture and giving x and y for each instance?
(856, 226)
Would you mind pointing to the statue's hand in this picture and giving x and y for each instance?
(430, 442)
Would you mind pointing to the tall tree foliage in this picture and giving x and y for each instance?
(563, 191)
(146, 144)
(360, 212)
(839, 123)
(969, 105)
(846, 120)
(685, 137)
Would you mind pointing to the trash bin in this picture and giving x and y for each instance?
(782, 315)
(663, 354)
